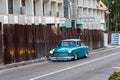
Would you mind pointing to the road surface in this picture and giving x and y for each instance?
(98, 66)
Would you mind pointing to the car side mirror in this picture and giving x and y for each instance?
(56, 46)
(82, 44)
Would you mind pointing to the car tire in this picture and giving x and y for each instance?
(86, 55)
(75, 57)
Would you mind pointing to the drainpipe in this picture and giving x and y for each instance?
(2, 33)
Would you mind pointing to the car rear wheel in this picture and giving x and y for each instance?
(75, 57)
(86, 55)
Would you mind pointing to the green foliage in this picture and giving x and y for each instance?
(114, 9)
(115, 76)
(106, 2)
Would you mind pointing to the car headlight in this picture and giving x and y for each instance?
(51, 52)
(70, 51)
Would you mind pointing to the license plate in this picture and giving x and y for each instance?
(60, 59)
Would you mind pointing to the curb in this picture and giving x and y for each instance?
(12, 65)
(100, 49)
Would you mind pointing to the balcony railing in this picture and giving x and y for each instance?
(23, 19)
(60, 1)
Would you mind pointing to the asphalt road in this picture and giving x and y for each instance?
(98, 66)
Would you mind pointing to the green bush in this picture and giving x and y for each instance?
(115, 76)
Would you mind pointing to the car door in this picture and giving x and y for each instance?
(80, 49)
(84, 48)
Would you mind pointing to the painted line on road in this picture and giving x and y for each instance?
(45, 75)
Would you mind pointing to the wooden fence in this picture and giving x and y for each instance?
(27, 42)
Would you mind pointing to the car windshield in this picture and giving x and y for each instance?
(67, 43)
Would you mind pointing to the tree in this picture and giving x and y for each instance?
(114, 8)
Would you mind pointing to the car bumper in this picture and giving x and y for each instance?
(61, 58)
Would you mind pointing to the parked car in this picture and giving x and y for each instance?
(69, 49)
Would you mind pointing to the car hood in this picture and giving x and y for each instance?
(62, 49)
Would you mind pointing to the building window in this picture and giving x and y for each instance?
(10, 6)
(23, 2)
(34, 8)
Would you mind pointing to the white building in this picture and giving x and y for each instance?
(31, 11)
(88, 14)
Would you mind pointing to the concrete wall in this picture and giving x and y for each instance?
(53, 9)
(60, 10)
(4, 6)
(29, 7)
(46, 8)
(16, 6)
(39, 7)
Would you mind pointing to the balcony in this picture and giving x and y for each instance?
(85, 4)
(54, 0)
(23, 19)
(90, 4)
(60, 1)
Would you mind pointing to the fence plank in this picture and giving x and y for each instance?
(1, 44)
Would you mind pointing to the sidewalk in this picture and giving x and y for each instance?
(41, 60)
(104, 48)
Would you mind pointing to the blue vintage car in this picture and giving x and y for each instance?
(69, 49)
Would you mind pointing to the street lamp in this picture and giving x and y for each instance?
(113, 1)
(108, 16)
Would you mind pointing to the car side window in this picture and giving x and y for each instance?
(78, 43)
(82, 43)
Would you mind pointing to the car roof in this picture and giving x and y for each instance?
(72, 40)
